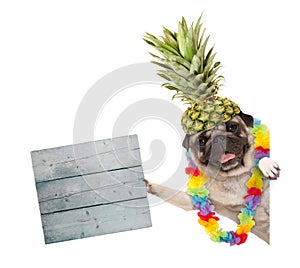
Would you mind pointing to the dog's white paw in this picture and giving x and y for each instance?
(148, 185)
(269, 168)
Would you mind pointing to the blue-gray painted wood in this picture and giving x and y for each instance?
(104, 195)
(98, 220)
(86, 158)
(91, 188)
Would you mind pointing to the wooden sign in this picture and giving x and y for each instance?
(91, 189)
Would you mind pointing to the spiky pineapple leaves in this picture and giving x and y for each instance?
(191, 72)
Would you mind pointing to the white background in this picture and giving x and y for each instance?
(52, 52)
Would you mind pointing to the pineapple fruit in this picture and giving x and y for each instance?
(192, 72)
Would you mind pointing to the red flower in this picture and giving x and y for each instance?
(208, 216)
(262, 149)
(243, 237)
(253, 191)
(192, 171)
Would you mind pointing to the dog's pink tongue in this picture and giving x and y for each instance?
(226, 157)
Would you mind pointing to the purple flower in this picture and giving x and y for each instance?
(252, 201)
(259, 154)
(191, 163)
(235, 241)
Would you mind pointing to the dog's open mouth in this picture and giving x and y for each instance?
(227, 157)
(228, 161)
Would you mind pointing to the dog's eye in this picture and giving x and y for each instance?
(202, 141)
(232, 128)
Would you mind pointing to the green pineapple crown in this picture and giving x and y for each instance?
(191, 70)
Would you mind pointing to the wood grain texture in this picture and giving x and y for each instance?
(60, 188)
(85, 158)
(91, 188)
(98, 220)
(82, 150)
(104, 195)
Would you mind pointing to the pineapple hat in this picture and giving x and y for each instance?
(191, 71)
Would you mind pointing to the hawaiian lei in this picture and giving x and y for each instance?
(200, 194)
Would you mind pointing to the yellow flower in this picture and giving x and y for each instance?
(245, 228)
(211, 226)
(203, 223)
(194, 182)
(197, 181)
(256, 179)
(262, 140)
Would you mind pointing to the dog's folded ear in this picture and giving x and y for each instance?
(186, 141)
(248, 119)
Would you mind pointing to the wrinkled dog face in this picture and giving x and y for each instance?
(226, 150)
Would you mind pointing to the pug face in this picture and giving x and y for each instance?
(227, 150)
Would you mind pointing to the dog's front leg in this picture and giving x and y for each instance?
(177, 198)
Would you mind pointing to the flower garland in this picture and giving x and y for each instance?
(200, 194)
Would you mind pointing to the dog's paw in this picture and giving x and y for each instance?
(148, 185)
(269, 168)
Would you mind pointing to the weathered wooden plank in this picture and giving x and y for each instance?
(96, 220)
(68, 186)
(91, 189)
(118, 159)
(82, 150)
(113, 193)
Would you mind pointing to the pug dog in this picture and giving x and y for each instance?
(226, 155)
